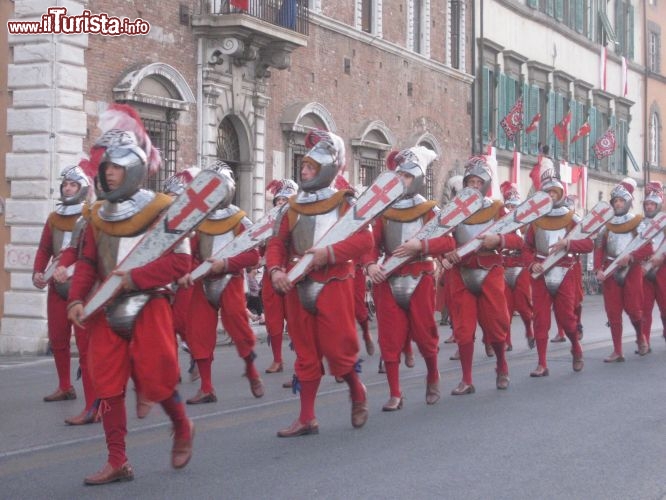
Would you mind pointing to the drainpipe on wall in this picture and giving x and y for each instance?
(200, 120)
(646, 116)
(480, 79)
(475, 83)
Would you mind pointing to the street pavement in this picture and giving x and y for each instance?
(598, 434)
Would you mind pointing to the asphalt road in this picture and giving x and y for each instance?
(598, 434)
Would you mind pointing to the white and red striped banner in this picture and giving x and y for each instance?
(602, 68)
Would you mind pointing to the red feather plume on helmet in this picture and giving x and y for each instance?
(314, 136)
(274, 186)
(392, 160)
(122, 117)
(341, 183)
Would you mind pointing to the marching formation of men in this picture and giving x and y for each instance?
(135, 269)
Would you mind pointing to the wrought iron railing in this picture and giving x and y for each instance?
(289, 14)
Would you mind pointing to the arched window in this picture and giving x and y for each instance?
(654, 152)
(228, 150)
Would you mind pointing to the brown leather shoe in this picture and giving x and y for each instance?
(489, 351)
(540, 372)
(359, 411)
(456, 355)
(84, 418)
(531, 342)
(275, 367)
(577, 362)
(287, 385)
(463, 389)
(614, 358)
(409, 360)
(393, 404)
(257, 387)
(297, 428)
(201, 398)
(109, 475)
(643, 349)
(182, 449)
(450, 340)
(143, 406)
(558, 339)
(60, 395)
(432, 393)
(502, 381)
(369, 346)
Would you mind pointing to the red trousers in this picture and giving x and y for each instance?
(360, 307)
(202, 335)
(274, 309)
(396, 325)
(181, 311)
(330, 334)
(519, 299)
(627, 298)
(654, 291)
(150, 356)
(489, 308)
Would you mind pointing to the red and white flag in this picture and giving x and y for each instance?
(625, 88)
(240, 4)
(582, 132)
(602, 68)
(562, 129)
(512, 123)
(533, 124)
(605, 145)
(535, 173)
(515, 168)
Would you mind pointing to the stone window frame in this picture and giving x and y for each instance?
(424, 22)
(376, 25)
(369, 150)
(654, 135)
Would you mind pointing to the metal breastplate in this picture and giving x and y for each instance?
(309, 228)
(466, 232)
(123, 210)
(60, 239)
(213, 289)
(396, 233)
(554, 278)
(209, 244)
(616, 242)
(121, 313)
(545, 238)
(511, 275)
(308, 291)
(473, 278)
(403, 288)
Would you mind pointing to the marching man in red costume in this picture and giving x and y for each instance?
(320, 308)
(134, 334)
(405, 300)
(518, 290)
(477, 282)
(274, 306)
(56, 242)
(623, 290)
(557, 288)
(221, 290)
(654, 280)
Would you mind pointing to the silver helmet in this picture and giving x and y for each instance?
(624, 190)
(75, 174)
(414, 161)
(133, 160)
(510, 194)
(654, 192)
(176, 184)
(477, 166)
(224, 170)
(550, 180)
(282, 188)
(328, 157)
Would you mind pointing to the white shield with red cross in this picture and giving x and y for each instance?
(466, 203)
(252, 237)
(386, 189)
(587, 228)
(188, 210)
(655, 226)
(537, 205)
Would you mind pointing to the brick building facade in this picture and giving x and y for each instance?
(244, 87)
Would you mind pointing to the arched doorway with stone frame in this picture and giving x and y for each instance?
(160, 94)
(233, 147)
(296, 121)
(369, 150)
